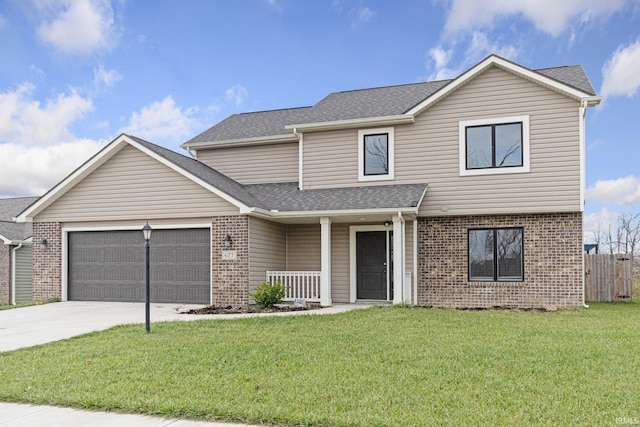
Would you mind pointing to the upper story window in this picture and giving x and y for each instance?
(375, 154)
(494, 146)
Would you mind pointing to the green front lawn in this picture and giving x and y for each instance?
(382, 366)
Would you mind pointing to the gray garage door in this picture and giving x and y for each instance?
(110, 266)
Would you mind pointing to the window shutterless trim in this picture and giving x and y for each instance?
(525, 147)
(390, 154)
(493, 145)
(495, 254)
(364, 159)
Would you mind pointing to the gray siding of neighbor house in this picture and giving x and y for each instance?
(267, 249)
(5, 274)
(132, 185)
(256, 164)
(428, 151)
(24, 274)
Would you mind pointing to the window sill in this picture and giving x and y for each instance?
(492, 284)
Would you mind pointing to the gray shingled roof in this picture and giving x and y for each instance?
(202, 171)
(9, 209)
(287, 197)
(355, 104)
(376, 102)
(572, 75)
(248, 125)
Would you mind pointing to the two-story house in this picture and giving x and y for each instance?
(460, 193)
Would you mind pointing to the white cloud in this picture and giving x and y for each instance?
(550, 16)
(3, 22)
(162, 121)
(478, 47)
(24, 121)
(621, 191)
(105, 78)
(441, 58)
(236, 94)
(621, 73)
(363, 15)
(32, 170)
(596, 223)
(77, 26)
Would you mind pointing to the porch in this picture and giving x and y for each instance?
(329, 260)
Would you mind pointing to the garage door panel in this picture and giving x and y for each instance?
(110, 266)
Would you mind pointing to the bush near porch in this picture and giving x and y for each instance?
(382, 366)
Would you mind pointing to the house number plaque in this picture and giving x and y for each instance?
(229, 255)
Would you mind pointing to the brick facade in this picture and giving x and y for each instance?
(230, 278)
(552, 262)
(47, 261)
(5, 274)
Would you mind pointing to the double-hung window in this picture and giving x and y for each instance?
(491, 146)
(375, 154)
(496, 254)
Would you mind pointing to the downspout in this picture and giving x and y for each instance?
(415, 261)
(300, 156)
(13, 273)
(583, 114)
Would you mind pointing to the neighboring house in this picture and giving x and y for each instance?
(460, 193)
(15, 252)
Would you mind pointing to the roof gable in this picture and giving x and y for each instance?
(542, 79)
(190, 168)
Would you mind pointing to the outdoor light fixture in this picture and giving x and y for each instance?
(227, 241)
(387, 224)
(43, 244)
(146, 232)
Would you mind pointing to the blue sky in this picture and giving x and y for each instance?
(76, 73)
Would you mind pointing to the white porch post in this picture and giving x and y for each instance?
(398, 264)
(325, 261)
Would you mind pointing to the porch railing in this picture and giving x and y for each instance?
(300, 284)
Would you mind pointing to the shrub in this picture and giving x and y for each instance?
(269, 294)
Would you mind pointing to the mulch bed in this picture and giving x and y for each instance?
(212, 309)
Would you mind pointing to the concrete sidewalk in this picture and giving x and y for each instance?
(20, 415)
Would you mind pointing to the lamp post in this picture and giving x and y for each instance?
(146, 231)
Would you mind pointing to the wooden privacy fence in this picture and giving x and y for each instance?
(607, 277)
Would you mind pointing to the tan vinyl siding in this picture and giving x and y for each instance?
(303, 254)
(267, 249)
(132, 185)
(408, 247)
(427, 151)
(257, 164)
(303, 247)
(340, 263)
(331, 159)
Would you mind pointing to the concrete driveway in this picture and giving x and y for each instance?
(40, 324)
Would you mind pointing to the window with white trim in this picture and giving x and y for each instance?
(375, 154)
(496, 255)
(494, 146)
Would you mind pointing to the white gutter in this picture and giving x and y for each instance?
(239, 142)
(304, 214)
(346, 124)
